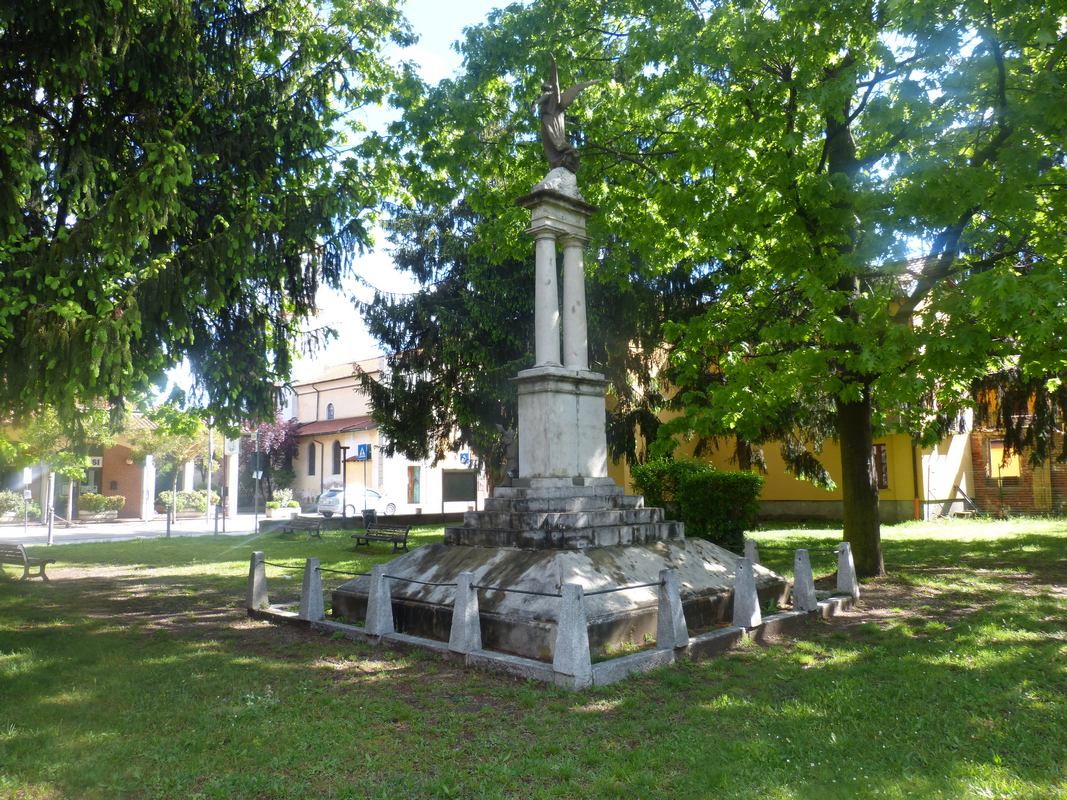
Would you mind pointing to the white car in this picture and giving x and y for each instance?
(330, 502)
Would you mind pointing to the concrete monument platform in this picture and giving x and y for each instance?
(524, 620)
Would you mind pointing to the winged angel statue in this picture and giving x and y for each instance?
(552, 104)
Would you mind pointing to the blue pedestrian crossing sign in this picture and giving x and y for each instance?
(363, 452)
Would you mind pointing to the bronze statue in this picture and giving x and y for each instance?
(552, 104)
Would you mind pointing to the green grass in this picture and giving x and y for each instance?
(136, 674)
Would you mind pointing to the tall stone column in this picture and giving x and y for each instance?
(546, 298)
(575, 326)
(561, 403)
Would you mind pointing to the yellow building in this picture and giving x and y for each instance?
(914, 483)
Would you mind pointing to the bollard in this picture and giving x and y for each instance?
(572, 657)
(752, 551)
(312, 603)
(256, 596)
(803, 583)
(379, 604)
(671, 632)
(216, 520)
(846, 572)
(746, 601)
(466, 634)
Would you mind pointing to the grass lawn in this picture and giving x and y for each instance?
(137, 674)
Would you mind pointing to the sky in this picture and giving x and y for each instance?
(438, 23)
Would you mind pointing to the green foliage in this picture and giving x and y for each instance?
(283, 497)
(272, 504)
(98, 503)
(172, 190)
(713, 503)
(873, 193)
(13, 502)
(186, 501)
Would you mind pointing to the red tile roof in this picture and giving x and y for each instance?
(341, 425)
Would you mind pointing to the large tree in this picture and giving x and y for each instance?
(176, 180)
(878, 190)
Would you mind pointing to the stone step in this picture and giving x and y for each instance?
(577, 539)
(557, 491)
(561, 521)
(561, 505)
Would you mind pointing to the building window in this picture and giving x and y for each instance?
(414, 484)
(329, 411)
(336, 457)
(999, 466)
(311, 458)
(881, 466)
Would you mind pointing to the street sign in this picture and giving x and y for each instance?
(465, 459)
(363, 452)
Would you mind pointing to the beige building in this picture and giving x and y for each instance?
(340, 445)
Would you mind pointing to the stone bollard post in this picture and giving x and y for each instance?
(572, 657)
(803, 583)
(671, 632)
(746, 601)
(312, 603)
(256, 594)
(379, 604)
(466, 634)
(752, 551)
(847, 582)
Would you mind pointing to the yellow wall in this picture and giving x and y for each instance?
(781, 485)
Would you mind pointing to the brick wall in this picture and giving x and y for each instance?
(1029, 493)
(126, 476)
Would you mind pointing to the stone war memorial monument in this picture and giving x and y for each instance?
(563, 525)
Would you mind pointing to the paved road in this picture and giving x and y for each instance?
(123, 530)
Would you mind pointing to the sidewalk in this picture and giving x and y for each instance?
(121, 530)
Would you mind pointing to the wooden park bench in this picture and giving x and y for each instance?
(16, 554)
(397, 534)
(313, 527)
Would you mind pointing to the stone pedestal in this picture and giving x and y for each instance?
(561, 423)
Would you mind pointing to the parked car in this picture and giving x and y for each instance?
(330, 502)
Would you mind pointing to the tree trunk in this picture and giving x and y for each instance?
(174, 497)
(860, 485)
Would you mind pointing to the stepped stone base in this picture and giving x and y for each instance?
(563, 514)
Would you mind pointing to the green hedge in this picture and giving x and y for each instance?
(713, 503)
(187, 501)
(12, 501)
(98, 503)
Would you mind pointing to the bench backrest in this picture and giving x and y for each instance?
(399, 530)
(13, 553)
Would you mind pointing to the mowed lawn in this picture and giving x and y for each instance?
(136, 674)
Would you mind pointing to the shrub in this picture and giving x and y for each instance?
(714, 504)
(187, 501)
(282, 497)
(294, 504)
(98, 503)
(272, 504)
(12, 501)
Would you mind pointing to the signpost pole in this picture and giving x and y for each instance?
(344, 483)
